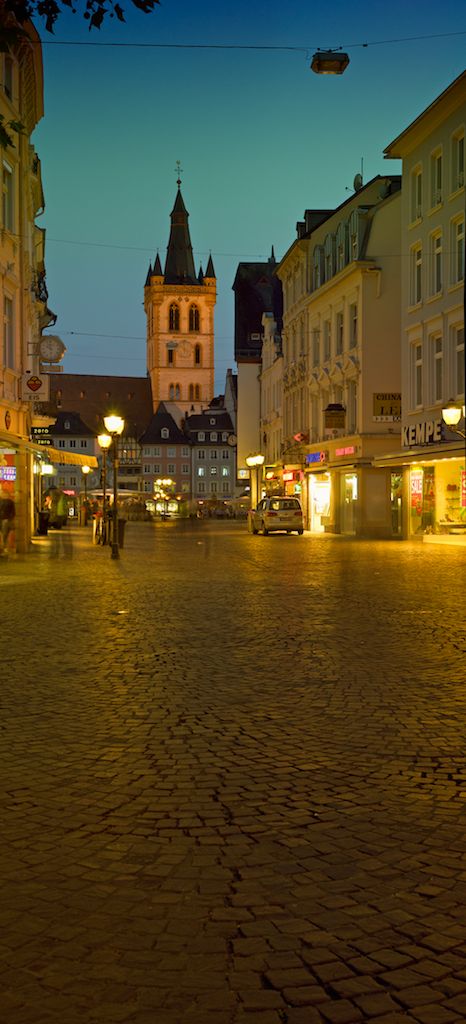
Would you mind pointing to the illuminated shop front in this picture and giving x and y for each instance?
(437, 497)
(347, 495)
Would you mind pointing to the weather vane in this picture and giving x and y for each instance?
(179, 171)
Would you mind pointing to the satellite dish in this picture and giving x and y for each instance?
(357, 183)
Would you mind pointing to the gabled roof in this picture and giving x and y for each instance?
(201, 421)
(72, 424)
(92, 397)
(162, 419)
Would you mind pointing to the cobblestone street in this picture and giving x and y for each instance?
(232, 780)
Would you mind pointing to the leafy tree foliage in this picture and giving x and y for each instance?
(93, 11)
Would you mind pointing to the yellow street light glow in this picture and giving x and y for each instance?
(255, 460)
(452, 413)
(104, 441)
(85, 470)
(114, 424)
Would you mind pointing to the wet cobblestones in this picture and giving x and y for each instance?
(232, 781)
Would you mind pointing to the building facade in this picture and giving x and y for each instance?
(341, 362)
(179, 306)
(432, 458)
(213, 446)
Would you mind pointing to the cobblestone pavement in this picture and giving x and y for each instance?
(232, 780)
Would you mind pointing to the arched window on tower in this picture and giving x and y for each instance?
(177, 391)
(193, 318)
(197, 393)
(174, 317)
(191, 392)
(197, 355)
(171, 392)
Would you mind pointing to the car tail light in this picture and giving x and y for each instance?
(271, 513)
(298, 512)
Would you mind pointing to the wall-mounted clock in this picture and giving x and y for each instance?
(51, 348)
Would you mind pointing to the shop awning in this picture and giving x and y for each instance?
(448, 450)
(48, 452)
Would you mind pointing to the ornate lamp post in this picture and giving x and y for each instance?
(104, 441)
(85, 471)
(452, 412)
(115, 425)
(161, 486)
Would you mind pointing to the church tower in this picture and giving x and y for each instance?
(179, 307)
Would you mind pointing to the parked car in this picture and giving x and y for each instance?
(278, 513)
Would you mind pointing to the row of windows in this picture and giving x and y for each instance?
(174, 318)
(155, 451)
(202, 471)
(155, 469)
(171, 354)
(70, 443)
(338, 249)
(430, 387)
(175, 392)
(436, 260)
(438, 180)
(335, 336)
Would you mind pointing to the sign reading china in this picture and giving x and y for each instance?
(35, 387)
(386, 406)
(427, 432)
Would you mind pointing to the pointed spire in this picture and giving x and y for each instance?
(179, 264)
(149, 275)
(200, 276)
(157, 271)
(210, 272)
(272, 256)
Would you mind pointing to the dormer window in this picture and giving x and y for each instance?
(67, 425)
(164, 433)
(212, 422)
(213, 437)
(201, 436)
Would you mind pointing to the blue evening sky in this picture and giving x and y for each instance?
(260, 138)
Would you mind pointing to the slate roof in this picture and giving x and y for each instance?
(201, 421)
(92, 397)
(179, 264)
(257, 290)
(160, 419)
(70, 423)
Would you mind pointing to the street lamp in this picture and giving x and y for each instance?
(452, 412)
(161, 486)
(329, 62)
(115, 425)
(104, 441)
(255, 463)
(85, 471)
